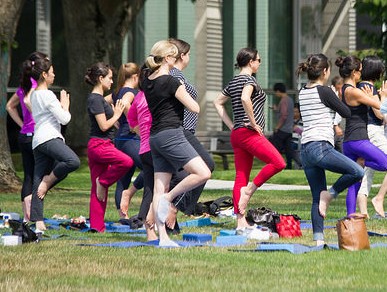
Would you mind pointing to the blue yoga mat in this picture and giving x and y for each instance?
(371, 233)
(294, 248)
(309, 226)
(154, 243)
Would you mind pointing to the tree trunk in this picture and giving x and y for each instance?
(10, 11)
(94, 32)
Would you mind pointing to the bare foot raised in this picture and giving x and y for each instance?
(171, 218)
(325, 199)
(43, 187)
(101, 191)
(243, 201)
(362, 203)
(125, 201)
(378, 205)
(40, 226)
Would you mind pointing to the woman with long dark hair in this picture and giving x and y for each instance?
(107, 164)
(357, 145)
(247, 136)
(318, 104)
(54, 160)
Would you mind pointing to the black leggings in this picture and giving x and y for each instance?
(25, 146)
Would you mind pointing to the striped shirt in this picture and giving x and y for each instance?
(190, 119)
(318, 105)
(258, 97)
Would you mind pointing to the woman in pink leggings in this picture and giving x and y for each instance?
(247, 138)
(107, 164)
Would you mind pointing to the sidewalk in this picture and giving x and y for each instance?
(215, 184)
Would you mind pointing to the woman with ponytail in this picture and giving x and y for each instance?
(107, 164)
(54, 160)
(318, 104)
(357, 145)
(167, 97)
(26, 124)
(247, 136)
(125, 139)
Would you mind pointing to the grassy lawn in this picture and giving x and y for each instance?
(63, 265)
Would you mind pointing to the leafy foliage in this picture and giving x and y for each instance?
(377, 11)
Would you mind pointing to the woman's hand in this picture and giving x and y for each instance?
(118, 108)
(367, 90)
(65, 99)
(255, 127)
(383, 90)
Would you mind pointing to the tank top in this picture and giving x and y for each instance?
(356, 125)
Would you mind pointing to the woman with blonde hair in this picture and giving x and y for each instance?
(167, 97)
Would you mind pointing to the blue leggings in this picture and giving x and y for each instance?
(374, 158)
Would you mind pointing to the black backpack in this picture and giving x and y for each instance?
(214, 207)
(23, 230)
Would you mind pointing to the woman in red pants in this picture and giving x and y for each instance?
(247, 138)
(107, 164)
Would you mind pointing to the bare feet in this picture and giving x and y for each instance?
(125, 201)
(27, 208)
(101, 191)
(40, 226)
(44, 187)
(168, 243)
(122, 215)
(171, 218)
(325, 199)
(378, 205)
(362, 203)
(243, 201)
(150, 233)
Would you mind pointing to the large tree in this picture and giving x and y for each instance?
(10, 11)
(94, 30)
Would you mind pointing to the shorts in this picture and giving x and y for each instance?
(170, 150)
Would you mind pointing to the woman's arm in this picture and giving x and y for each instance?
(248, 107)
(11, 108)
(219, 103)
(329, 99)
(356, 96)
(105, 124)
(183, 96)
(127, 99)
(27, 100)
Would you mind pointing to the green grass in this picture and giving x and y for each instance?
(62, 265)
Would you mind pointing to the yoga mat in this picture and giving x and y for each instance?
(371, 233)
(154, 243)
(309, 226)
(293, 248)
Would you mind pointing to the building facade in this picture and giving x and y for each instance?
(283, 31)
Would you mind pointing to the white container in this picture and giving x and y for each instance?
(11, 240)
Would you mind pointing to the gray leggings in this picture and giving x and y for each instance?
(53, 155)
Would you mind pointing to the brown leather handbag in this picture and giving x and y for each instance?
(352, 232)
